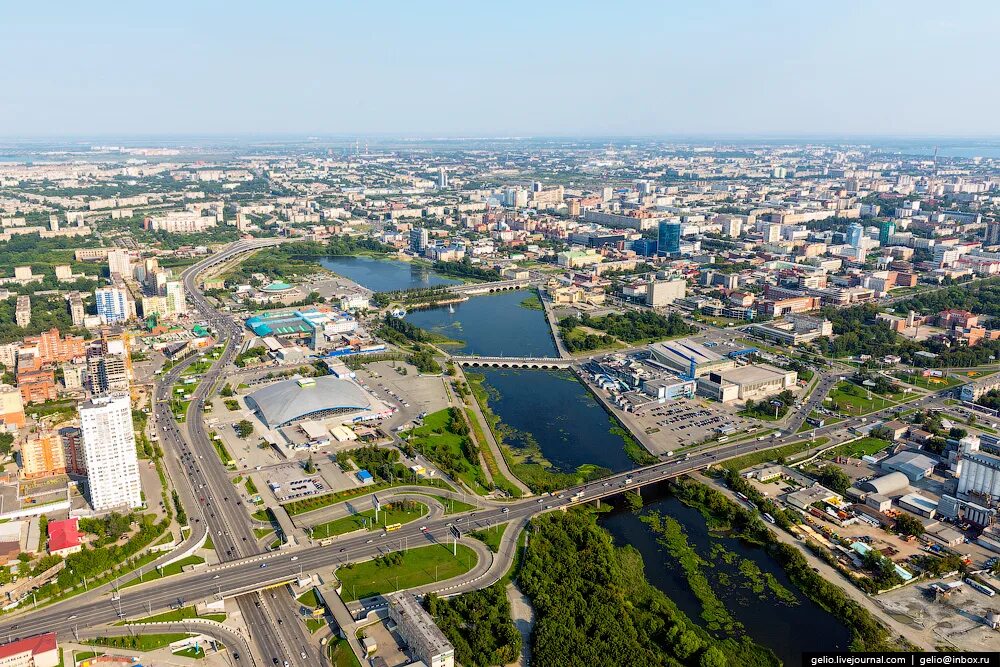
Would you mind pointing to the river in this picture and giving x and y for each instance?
(568, 424)
(491, 325)
(788, 630)
(385, 275)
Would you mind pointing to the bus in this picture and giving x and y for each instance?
(393, 526)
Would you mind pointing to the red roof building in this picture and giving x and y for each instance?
(64, 538)
(36, 651)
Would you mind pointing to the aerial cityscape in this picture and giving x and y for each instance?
(362, 388)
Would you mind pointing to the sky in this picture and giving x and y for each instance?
(509, 68)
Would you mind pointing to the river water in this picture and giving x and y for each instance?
(786, 629)
(384, 275)
(492, 325)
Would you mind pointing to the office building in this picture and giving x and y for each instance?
(665, 292)
(119, 263)
(418, 239)
(668, 238)
(112, 304)
(885, 231)
(746, 382)
(855, 233)
(22, 311)
(108, 439)
(42, 456)
(417, 628)
(11, 407)
(442, 178)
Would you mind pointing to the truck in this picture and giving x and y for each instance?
(578, 495)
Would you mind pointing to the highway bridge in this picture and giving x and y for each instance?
(514, 362)
(261, 570)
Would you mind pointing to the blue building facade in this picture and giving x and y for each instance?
(669, 238)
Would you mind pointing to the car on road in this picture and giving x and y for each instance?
(294, 558)
(263, 565)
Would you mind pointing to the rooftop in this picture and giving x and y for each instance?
(289, 400)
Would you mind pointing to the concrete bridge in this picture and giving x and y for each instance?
(486, 288)
(514, 362)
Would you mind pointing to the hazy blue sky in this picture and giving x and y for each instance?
(475, 68)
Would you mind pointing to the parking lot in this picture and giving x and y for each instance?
(290, 483)
(685, 422)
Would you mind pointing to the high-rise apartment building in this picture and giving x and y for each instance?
(120, 263)
(76, 310)
(991, 235)
(108, 365)
(109, 453)
(112, 304)
(418, 239)
(11, 407)
(442, 178)
(885, 231)
(42, 456)
(22, 311)
(174, 294)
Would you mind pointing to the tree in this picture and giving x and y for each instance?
(835, 479)
(907, 524)
(244, 428)
(309, 466)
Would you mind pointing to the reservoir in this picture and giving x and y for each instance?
(491, 325)
(384, 275)
(788, 630)
(558, 413)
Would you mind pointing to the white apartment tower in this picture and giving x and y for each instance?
(120, 262)
(109, 452)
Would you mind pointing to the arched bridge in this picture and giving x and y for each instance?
(513, 362)
(486, 288)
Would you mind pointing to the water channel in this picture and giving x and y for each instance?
(385, 275)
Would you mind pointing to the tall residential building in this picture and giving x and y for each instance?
(732, 227)
(42, 456)
(22, 311)
(108, 365)
(991, 235)
(668, 238)
(72, 444)
(418, 239)
(771, 232)
(11, 407)
(119, 262)
(442, 178)
(885, 231)
(855, 233)
(112, 304)
(417, 628)
(174, 293)
(76, 310)
(109, 453)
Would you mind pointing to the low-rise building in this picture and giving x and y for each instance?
(746, 382)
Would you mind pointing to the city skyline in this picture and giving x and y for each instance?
(721, 70)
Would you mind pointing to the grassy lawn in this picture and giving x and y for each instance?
(139, 642)
(416, 567)
(315, 624)
(451, 506)
(166, 571)
(754, 458)
(390, 514)
(308, 599)
(499, 479)
(325, 500)
(827, 421)
(491, 536)
(434, 440)
(341, 654)
(854, 400)
(859, 448)
(175, 616)
(931, 383)
(196, 653)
